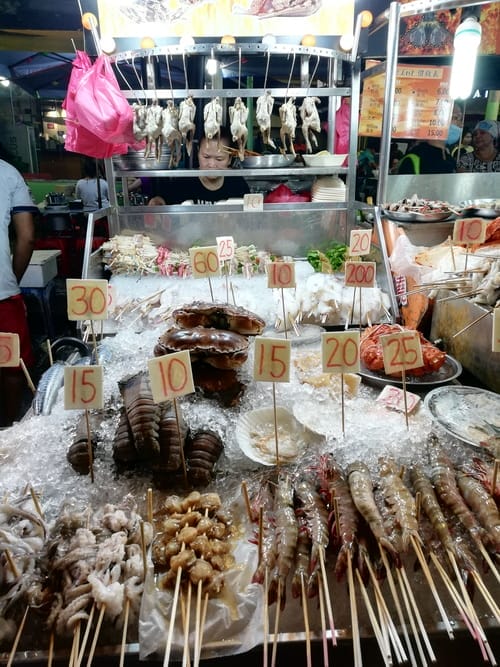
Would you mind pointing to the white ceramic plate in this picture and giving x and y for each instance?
(255, 435)
(470, 414)
(320, 160)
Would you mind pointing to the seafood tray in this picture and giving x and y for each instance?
(484, 208)
(449, 371)
(416, 209)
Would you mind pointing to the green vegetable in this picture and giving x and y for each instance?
(335, 256)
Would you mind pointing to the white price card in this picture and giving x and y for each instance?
(253, 201)
(204, 261)
(469, 230)
(83, 388)
(495, 331)
(171, 375)
(225, 248)
(360, 241)
(340, 351)
(9, 350)
(393, 398)
(360, 274)
(280, 274)
(271, 360)
(111, 298)
(87, 299)
(401, 351)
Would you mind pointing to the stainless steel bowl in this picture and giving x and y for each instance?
(270, 161)
(484, 208)
(135, 160)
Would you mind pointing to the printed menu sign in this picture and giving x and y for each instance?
(422, 105)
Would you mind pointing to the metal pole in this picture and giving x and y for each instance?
(390, 84)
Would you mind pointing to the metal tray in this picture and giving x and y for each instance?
(448, 372)
(414, 216)
(484, 208)
(271, 161)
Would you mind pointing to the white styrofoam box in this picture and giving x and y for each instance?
(42, 268)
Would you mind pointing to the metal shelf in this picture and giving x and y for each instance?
(262, 174)
(176, 93)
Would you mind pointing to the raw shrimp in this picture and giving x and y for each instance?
(400, 501)
(361, 486)
(302, 557)
(267, 555)
(483, 505)
(286, 537)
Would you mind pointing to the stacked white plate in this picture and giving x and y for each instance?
(328, 188)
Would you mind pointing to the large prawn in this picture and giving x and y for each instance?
(361, 486)
(286, 533)
(399, 500)
(484, 507)
(267, 546)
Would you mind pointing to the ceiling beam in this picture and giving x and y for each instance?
(43, 40)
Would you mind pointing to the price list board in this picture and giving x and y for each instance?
(422, 105)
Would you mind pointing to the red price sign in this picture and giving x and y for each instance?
(171, 375)
(401, 351)
(83, 387)
(495, 331)
(9, 350)
(272, 360)
(340, 351)
(469, 230)
(281, 274)
(225, 248)
(87, 299)
(253, 201)
(111, 298)
(360, 242)
(205, 261)
(360, 274)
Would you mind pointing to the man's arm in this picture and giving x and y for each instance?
(24, 242)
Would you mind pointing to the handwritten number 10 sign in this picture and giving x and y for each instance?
(171, 375)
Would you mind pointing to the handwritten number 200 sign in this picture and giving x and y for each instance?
(171, 376)
(360, 274)
(204, 261)
(360, 242)
(401, 351)
(340, 351)
(83, 388)
(87, 299)
(272, 360)
(9, 350)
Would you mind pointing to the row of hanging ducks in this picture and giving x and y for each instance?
(175, 125)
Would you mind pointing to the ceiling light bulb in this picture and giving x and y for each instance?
(346, 42)
(108, 45)
(466, 44)
(212, 66)
(366, 18)
(186, 41)
(4, 81)
(269, 39)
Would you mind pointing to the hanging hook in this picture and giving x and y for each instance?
(185, 70)
(312, 75)
(239, 67)
(290, 77)
(267, 68)
(169, 75)
(126, 81)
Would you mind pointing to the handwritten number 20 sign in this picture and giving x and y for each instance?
(340, 351)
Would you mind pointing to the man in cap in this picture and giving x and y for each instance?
(486, 155)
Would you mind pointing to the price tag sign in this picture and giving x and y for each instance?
(9, 350)
(205, 261)
(360, 242)
(271, 360)
(469, 230)
(401, 351)
(171, 375)
(281, 274)
(111, 298)
(495, 331)
(83, 388)
(340, 351)
(87, 299)
(253, 201)
(225, 248)
(360, 274)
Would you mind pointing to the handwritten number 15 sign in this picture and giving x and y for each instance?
(272, 360)
(83, 388)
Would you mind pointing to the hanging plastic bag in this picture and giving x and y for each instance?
(101, 107)
(78, 138)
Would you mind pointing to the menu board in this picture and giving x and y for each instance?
(422, 104)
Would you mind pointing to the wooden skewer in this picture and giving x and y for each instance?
(168, 647)
(96, 634)
(486, 594)
(150, 505)
(36, 502)
(324, 582)
(73, 657)
(202, 627)
(420, 622)
(324, 638)
(358, 660)
(386, 656)
(185, 654)
(432, 586)
(489, 560)
(11, 563)
(248, 507)
(50, 656)
(305, 613)
(17, 638)
(276, 625)
(197, 623)
(85, 636)
(265, 618)
(124, 632)
(471, 324)
(409, 613)
(143, 549)
(49, 352)
(27, 376)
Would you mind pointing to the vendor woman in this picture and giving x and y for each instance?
(212, 154)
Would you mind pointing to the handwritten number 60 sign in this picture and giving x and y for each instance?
(401, 351)
(340, 351)
(204, 261)
(87, 299)
(271, 360)
(171, 375)
(9, 350)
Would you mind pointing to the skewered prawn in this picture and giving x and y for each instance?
(360, 484)
(286, 537)
(302, 557)
(400, 501)
(483, 505)
(267, 555)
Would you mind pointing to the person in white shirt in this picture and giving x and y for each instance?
(92, 191)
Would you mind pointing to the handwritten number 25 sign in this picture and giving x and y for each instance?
(401, 351)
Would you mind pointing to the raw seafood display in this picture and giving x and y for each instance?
(416, 204)
(372, 356)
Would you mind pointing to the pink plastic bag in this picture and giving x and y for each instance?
(78, 138)
(100, 105)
